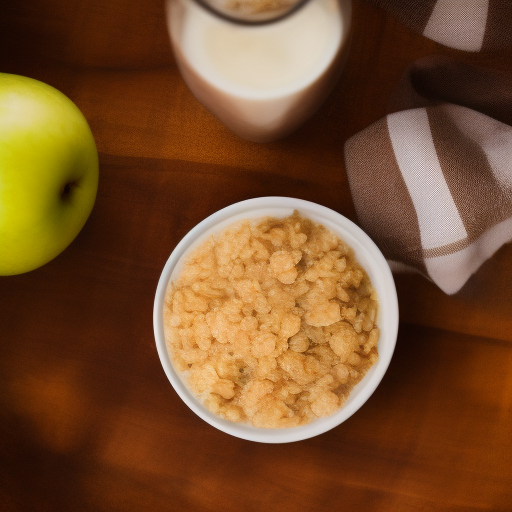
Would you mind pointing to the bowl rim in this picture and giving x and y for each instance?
(374, 264)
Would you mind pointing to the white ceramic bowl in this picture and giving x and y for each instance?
(368, 255)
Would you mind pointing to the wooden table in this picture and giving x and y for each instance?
(88, 420)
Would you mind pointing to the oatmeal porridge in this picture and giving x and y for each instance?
(272, 322)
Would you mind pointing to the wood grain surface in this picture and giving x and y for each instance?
(88, 420)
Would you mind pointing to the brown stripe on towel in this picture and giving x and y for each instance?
(444, 250)
(382, 201)
(498, 33)
(437, 79)
(480, 199)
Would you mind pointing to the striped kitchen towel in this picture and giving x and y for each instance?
(432, 181)
(469, 25)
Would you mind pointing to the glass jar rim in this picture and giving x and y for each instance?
(205, 4)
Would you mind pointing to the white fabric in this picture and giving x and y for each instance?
(451, 272)
(439, 220)
(458, 23)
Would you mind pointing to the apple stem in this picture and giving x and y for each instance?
(66, 190)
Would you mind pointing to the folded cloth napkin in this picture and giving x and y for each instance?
(432, 181)
(470, 25)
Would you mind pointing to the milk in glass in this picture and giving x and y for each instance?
(262, 81)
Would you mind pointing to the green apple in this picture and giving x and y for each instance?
(48, 173)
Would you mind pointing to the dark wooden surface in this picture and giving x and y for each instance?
(88, 420)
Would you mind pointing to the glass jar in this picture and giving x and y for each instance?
(261, 77)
